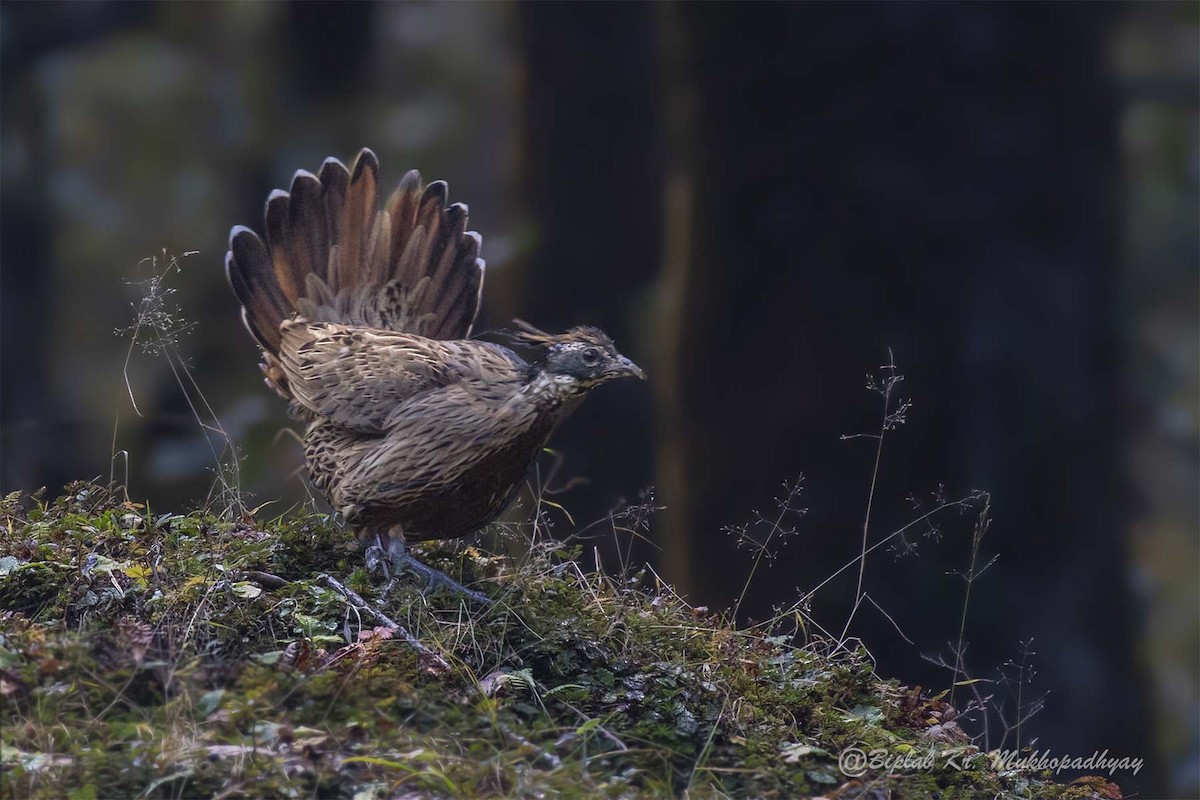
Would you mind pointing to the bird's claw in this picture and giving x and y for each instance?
(377, 562)
(435, 577)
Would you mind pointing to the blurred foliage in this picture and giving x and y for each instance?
(1154, 56)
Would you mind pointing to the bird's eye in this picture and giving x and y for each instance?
(591, 356)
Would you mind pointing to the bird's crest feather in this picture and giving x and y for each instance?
(536, 337)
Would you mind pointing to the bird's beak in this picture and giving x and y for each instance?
(625, 367)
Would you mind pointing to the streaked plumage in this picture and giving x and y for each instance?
(364, 316)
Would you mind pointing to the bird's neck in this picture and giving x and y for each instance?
(552, 390)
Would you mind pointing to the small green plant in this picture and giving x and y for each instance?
(1000, 717)
(157, 329)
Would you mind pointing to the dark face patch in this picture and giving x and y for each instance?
(590, 361)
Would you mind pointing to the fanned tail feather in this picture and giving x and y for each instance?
(331, 254)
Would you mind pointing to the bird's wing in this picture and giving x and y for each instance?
(436, 440)
(358, 377)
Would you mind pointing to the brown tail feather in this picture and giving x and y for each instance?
(252, 276)
(402, 209)
(335, 181)
(279, 236)
(309, 241)
(332, 254)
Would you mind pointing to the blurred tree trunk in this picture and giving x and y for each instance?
(35, 430)
(938, 180)
(591, 177)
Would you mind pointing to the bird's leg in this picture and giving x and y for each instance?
(376, 558)
(402, 559)
(374, 555)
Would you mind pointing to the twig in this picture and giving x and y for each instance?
(266, 579)
(513, 738)
(885, 387)
(981, 527)
(600, 729)
(432, 661)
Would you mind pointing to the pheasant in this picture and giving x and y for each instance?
(413, 430)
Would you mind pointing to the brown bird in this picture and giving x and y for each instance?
(414, 431)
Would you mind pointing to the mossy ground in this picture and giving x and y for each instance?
(154, 655)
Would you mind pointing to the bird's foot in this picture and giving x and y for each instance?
(429, 660)
(435, 577)
(377, 561)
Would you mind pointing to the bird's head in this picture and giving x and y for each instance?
(584, 354)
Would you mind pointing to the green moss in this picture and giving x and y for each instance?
(152, 655)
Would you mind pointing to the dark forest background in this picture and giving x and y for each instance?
(759, 202)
